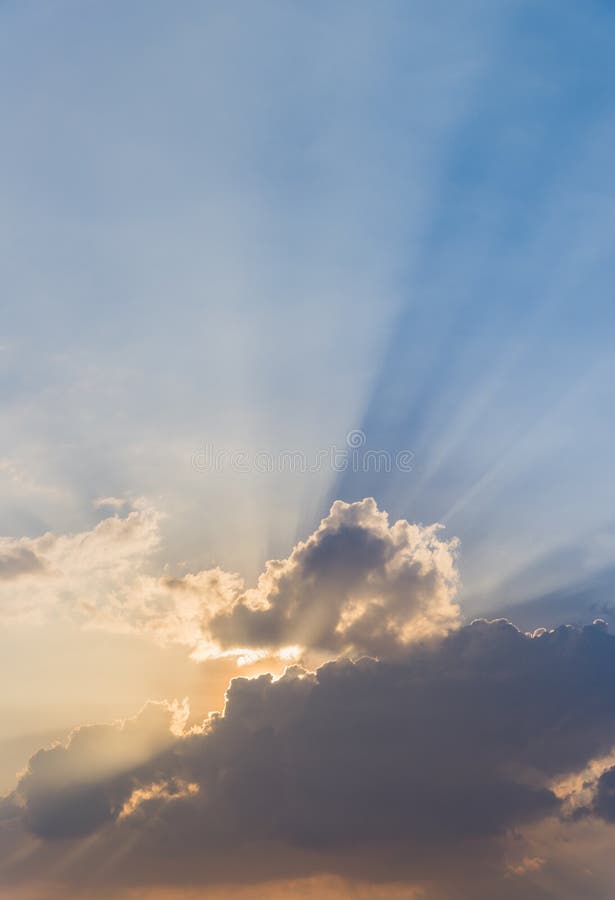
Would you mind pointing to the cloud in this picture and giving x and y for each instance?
(71, 790)
(454, 759)
(16, 561)
(111, 502)
(427, 769)
(358, 585)
(603, 801)
(84, 576)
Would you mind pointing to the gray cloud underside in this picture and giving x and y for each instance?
(417, 769)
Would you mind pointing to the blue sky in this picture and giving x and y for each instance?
(281, 227)
(261, 226)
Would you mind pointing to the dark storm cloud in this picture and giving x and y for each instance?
(425, 761)
(603, 804)
(437, 748)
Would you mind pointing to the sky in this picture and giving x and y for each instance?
(307, 540)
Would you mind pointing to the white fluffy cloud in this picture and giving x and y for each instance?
(357, 585)
(85, 575)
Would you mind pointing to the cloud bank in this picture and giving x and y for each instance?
(459, 761)
(427, 770)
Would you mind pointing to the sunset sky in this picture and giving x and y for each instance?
(307, 469)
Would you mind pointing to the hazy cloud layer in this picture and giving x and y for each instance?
(422, 770)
